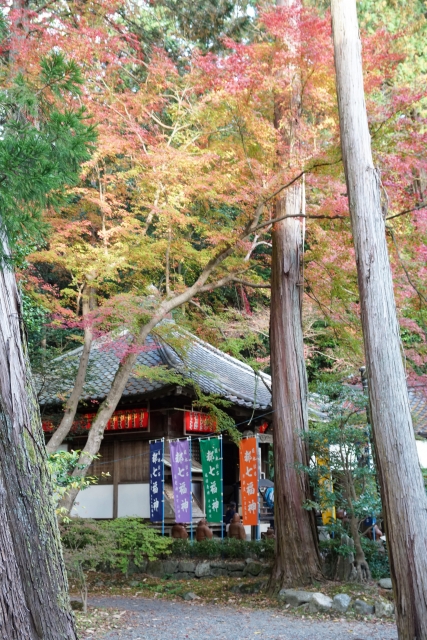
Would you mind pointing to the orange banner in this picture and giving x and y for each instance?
(249, 480)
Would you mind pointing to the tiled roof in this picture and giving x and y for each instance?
(419, 412)
(214, 371)
(218, 373)
(103, 364)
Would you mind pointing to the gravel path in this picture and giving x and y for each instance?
(162, 620)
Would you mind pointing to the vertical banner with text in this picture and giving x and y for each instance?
(249, 480)
(156, 481)
(210, 453)
(181, 479)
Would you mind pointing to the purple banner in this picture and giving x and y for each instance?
(181, 479)
(156, 481)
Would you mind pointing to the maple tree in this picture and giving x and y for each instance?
(186, 170)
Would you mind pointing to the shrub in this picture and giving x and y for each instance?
(85, 546)
(377, 558)
(135, 541)
(114, 543)
(227, 548)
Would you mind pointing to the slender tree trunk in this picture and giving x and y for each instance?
(88, 304)
(363, 573)
(297, 559)
(402, 488)
(33, 568)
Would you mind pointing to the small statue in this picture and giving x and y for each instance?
(203, 532)
(179, 531)
(269, 534)
(236, 529)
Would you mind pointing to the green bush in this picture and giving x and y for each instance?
(135, 541)
(227, 548)
(113, 543)
(377, 560)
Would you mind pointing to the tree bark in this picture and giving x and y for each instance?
(34, 570)
(88, 304)
(402, 488)
(14, 619)
(297, 559)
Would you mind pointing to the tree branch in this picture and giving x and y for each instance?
(423, 205)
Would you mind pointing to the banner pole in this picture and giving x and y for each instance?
(222, 489)
(258, 458)
(163, 486)
(191, 492)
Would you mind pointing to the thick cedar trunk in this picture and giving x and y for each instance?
(88, 304)
(26, 495)
(14, 619)
(297, 559)
(402, 489)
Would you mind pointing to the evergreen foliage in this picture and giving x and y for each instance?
(44, 139)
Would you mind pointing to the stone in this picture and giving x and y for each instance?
(385, 583)
(187, 566)
(170, 566)
(141, 567)
(254, 587)
(182, 575)
(203, 570)
(218, 564)
(190, 596)
(384, 609)
(134, 583)
(363, 608)
(341, 602)
(252, 568)
(235, 574)
(294, 597)
(155, 568)
(319, 602)
(219, 572)
(236, 566)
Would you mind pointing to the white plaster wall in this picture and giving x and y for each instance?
(134, 500)
(94, 502)
(422, 452)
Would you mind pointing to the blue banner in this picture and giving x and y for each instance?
(156, 481)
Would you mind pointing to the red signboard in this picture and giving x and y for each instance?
(249, 480)
(196, 422)
(119, 421)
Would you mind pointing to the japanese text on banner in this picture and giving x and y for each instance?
(249, 480)
(156, 481)
(181, 479)
(210, 453)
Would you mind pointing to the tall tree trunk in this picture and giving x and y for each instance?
(88, 304)
(27, 497)
(297, 559)
(402, 488)
(14, 619)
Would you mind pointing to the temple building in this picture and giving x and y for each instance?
(153, 408)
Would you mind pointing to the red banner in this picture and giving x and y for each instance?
(119, 421)
(249, 480)
(196, 422)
